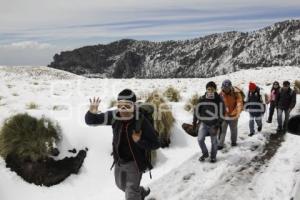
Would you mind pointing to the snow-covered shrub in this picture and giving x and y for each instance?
(297, 86)
(192, 102)
(32, 106)
(163, 117)
(112, 103)
(28, 137)
(172, 94)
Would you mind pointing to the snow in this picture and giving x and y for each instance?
(178, 174)
(297, 37)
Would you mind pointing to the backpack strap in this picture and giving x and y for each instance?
(139, 122)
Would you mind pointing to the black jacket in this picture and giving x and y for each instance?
(148, 139)
(286, 99)
(206, 107)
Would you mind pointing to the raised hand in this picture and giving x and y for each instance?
(94, 104)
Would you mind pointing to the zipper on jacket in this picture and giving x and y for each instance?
(118, 144)
(131, 148)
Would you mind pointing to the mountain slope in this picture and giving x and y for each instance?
(215, 54)
(46, 88)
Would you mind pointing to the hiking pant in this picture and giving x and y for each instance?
(233, 125)
(286, 118)
(257, 119)
(204, 131)
(271, 110)
(128, 179)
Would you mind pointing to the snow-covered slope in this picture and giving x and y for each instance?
(207, 56)
(178, 175)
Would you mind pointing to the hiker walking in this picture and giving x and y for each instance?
(255, 105)
(286, 101)
(272, 100)
(208, 113)
(233, 98)
(133, 135)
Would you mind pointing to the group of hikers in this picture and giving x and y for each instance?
(134, 134)
(216, 111)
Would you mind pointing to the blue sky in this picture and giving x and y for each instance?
(32, 31)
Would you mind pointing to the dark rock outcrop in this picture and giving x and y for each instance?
(48, 171)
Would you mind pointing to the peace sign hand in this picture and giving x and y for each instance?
(94, 104)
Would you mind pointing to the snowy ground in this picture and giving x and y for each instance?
(178, 175)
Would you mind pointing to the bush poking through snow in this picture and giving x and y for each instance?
(32, 106)
(112, 103)
(59, 107)
(192, 102)
(163, 117)
(297, 86)
(9, 86)
(28, 137)
(172, 94)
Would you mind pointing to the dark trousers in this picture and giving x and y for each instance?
(286, 118)
(271, 110)
(257, 119)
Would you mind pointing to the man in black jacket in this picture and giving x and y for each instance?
(285, 101)
(209, 113)
(133, 135)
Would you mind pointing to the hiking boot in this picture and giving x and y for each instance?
(259, 128)
(203, 157)
(284, 131)
(234, 144)
(145, 192)
(279, 130)
(251, 134)
(220, 147)
(165, 143)
(213, 160)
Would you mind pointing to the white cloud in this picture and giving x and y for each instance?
(74, 23)
(27, 45)
(27, 53)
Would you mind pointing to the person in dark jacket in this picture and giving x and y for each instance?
(255, 105)
(272, 100)
(286, 101)
(209, 113)
(129, 142)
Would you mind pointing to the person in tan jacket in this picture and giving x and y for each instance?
(233, 100)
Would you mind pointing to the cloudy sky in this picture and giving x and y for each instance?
(32, 31)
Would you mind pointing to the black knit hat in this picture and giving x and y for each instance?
(128, 95)
(211, 84)
(286, 83)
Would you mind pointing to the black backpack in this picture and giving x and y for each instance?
(145, 111)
